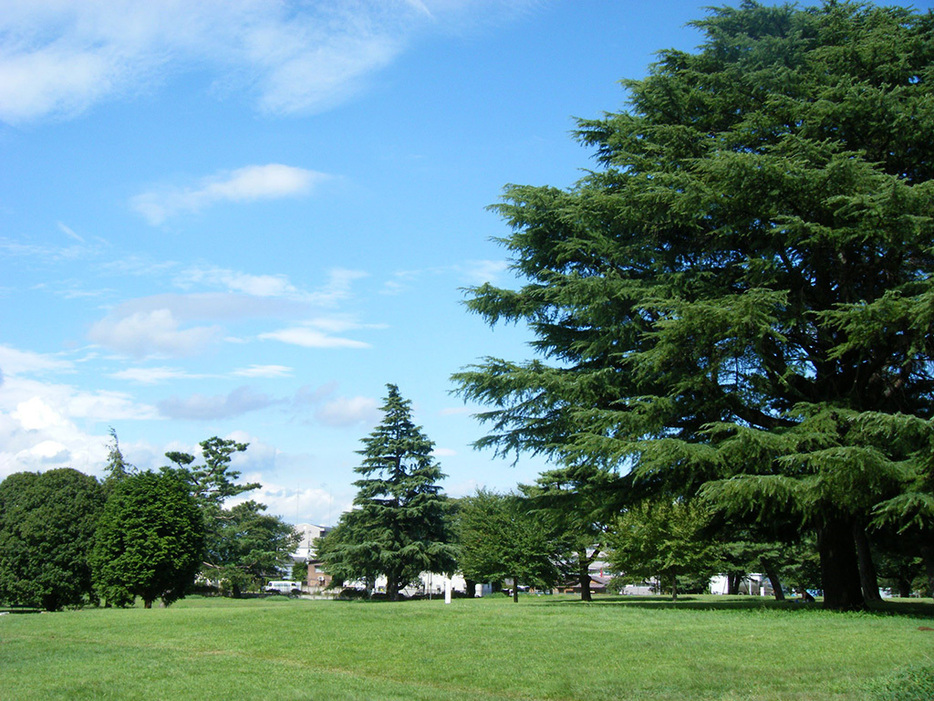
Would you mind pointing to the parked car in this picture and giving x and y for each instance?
(284, 586)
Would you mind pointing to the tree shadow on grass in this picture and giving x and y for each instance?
(920, 608)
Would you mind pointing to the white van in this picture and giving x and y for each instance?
(284, 586)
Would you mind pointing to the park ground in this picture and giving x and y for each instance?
(541, 648)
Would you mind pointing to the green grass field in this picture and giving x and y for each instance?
(541, 648)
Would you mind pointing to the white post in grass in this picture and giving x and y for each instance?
(447, 590)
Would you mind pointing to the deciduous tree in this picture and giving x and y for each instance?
(664, 540)
(500, 536)
(248, 546)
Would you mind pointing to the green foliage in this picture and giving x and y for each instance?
(300, 572)
(149, 540)
(398, 526)
(500, 536)
(243, 546)
(664, 540)
(248, 546)
(47, 523)
(575, 499)
(117, 467)
(742, 292)
(214, 481)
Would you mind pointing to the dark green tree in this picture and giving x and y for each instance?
(398, 524)
(47, 523)
(348, 552)
(149, 540)
(501, 536)
(745, 284)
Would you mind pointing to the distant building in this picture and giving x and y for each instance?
(305, 550)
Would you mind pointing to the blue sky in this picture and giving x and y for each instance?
(244, 218)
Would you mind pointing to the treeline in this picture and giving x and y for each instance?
(552, 533)
(68, 539)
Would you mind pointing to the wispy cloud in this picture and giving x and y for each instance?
(16, 362)
(267, 371)
(61, 58)
(152, 376)
(332, 409)
(319, 333)
(185, 324)
(349, 411)
(204, 408)
(470, 272)
(247, 184)
(311, 338)
(337, 288)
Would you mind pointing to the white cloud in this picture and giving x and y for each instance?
(247, 184)
(35, 415)
(207, 306)
(155, 332)
(471, 272)
(478, 272)
(69, 232)
(443, 453)
(41, 425)
(336, 288)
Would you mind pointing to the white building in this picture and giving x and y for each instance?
(305, 550)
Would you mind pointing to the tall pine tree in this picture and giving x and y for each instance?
(397, 528)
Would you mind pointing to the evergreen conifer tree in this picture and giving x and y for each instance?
(397, 527)
(740, 297)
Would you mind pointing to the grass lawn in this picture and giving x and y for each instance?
(541, 648)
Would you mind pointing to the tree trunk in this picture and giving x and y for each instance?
(147, 603)
(927, 559)
(584, 562)
(774, 579)
(392, 587)
(674, 587)
(585, 583)
(904, 587)
(733, 580)
(839, 568)
(515, 590)
(869, 580)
